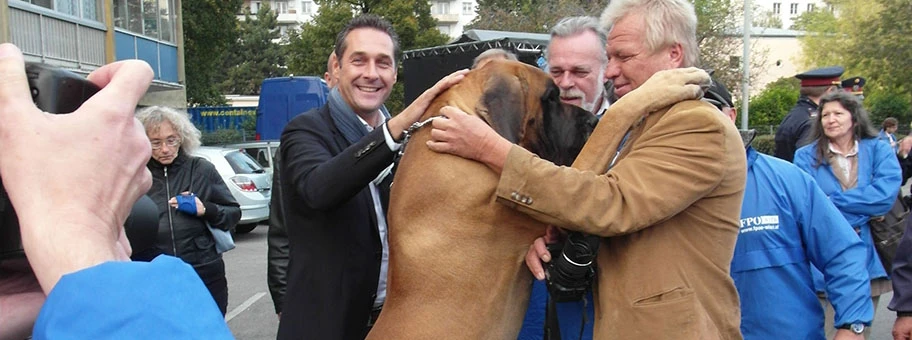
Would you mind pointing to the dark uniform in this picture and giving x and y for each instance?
(796, 126)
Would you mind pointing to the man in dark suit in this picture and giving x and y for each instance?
(335, 166)
(277, 239)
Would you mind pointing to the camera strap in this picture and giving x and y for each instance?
(552, 324)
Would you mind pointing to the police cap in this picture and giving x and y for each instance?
(854, 85)
(821, 76)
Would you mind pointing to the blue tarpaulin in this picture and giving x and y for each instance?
(211, 118)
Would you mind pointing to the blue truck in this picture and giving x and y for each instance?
(283, 98)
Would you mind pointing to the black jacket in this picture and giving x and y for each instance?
(332, 227)
(183, 235)
(277, 242)
(795, 128)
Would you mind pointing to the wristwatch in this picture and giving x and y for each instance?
(856, 328)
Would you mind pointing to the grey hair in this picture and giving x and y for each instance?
(571, 26)
(494, 53)
(152, 118)
(666, 22)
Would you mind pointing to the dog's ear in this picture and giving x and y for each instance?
(564, 129)
(502, 104)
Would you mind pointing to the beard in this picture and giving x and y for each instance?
(588, 104)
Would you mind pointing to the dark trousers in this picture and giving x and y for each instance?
(213, 276)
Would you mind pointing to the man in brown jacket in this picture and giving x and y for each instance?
(668, 208)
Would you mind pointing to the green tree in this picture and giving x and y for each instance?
(532, 16)
(772, 104)
(889, 103)
(210, 29)
(309, 48)
(256, 55)
(871, 39)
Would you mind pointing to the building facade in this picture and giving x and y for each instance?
(786, 11)
(82, 35)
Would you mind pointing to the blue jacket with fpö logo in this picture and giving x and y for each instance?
(788, 225)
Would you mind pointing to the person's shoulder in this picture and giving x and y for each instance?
(316, 119)
(807, 149)
(310, 117)
(876, 145)
(779, 166)
(805, 154)
(691, 110)
(201, 163)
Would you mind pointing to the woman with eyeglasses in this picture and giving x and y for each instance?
(860, 175)
(191, 196)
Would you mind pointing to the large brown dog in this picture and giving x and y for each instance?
(456, 256)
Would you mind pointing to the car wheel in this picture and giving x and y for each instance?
(245, 228)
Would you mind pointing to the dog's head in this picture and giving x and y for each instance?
(522, 104)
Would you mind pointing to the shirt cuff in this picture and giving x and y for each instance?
(393, 146)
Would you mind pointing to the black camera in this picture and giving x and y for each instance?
(59, 91)
(571, 270)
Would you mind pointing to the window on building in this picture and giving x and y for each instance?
(307, 7)
(445, 29)
(777, 8)
(810, 7)
(164, 14)
(85, 9)
(150, 18)
(793, 9)
(91, 9)
(467, 8)
(254, 7)
(134, 16)
(280, 7)
(440, 7)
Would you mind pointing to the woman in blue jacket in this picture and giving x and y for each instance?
(856, 171)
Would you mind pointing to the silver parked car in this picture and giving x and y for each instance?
(249, 183)
(263, 151)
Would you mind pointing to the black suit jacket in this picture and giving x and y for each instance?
(334, 243)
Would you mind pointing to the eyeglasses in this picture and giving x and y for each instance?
(170, 141)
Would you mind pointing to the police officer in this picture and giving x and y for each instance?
(854, 86)
(795, 127)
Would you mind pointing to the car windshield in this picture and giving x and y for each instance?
(242, 163)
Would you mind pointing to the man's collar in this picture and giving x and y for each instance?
(369, 128)
(603, 108)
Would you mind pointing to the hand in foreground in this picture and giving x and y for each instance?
(902, 328)
(666, 88)
(468, 137)
(413, 112)
(538, 252)
(73, 178)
